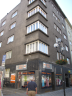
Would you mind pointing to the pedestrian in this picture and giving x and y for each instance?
(31, 88)
(0, 86)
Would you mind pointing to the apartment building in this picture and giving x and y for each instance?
(27, 37)
(69, 33)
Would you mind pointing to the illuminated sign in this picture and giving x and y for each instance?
(47, 66)
(21, 67)
(46, 73)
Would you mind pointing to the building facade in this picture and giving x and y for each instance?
(27, 37)
(69, 33)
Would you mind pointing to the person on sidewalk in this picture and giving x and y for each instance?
(31, 88)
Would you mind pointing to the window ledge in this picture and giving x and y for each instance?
(35, 31)
(35, 14)
(37, 52)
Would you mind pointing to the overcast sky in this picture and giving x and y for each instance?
(7, 5)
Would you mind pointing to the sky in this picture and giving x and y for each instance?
(66, 6)
(7, 5)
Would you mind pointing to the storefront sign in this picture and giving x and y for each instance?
(12, 78)
(21, 67)
(47, 66)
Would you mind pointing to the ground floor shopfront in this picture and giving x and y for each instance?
(48, 76)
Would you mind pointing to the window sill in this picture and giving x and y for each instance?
(37, 52)
(35, 14)
(35, 31)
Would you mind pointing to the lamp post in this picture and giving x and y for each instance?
(58, 45)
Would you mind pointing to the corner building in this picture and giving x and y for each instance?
(27, 37)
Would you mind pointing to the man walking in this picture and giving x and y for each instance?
(31, 88)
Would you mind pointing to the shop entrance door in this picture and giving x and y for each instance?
(67, 80)
(53, 81)
(19, 82)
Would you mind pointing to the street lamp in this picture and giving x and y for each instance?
(58, 45)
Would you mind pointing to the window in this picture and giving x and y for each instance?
(65, 36)
(36, 25)
(68, 60)
(14, 14)
(56, 17)
(57, 56)
(43, 1)
(56, 39)
(70, 43)
(8, 55)
(10, 39)
(63, 26)
(0, 44)
(57, 28)
(30, 1)
(13, 25)
(35, 10)
(3, 23)
(68, 33)
(61, 17)
(66, 48)
(37, 46)
(1, 33)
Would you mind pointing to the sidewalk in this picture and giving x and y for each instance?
(17, 92)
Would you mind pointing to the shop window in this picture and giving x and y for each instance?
(58, 79)
(24, 78)
(46, 81)
(7, 71)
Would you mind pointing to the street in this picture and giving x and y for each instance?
(17, 92)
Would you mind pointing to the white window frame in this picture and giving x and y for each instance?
(35, 10)
(4, 22)
(13, 25)
(65, 36)
(1, 33)
(58, 55)
(38, 46)
(10, 39)
(68, 60)
(14, 14)
(66, 48)
(8, 54)
(40, 26)
(0, 44)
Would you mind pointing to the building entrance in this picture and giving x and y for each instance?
(67, 80)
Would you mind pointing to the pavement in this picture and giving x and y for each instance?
(17, 92)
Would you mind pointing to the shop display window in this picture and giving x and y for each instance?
(46, 81)
(58, 79)
(70, 79)
(24, 78)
